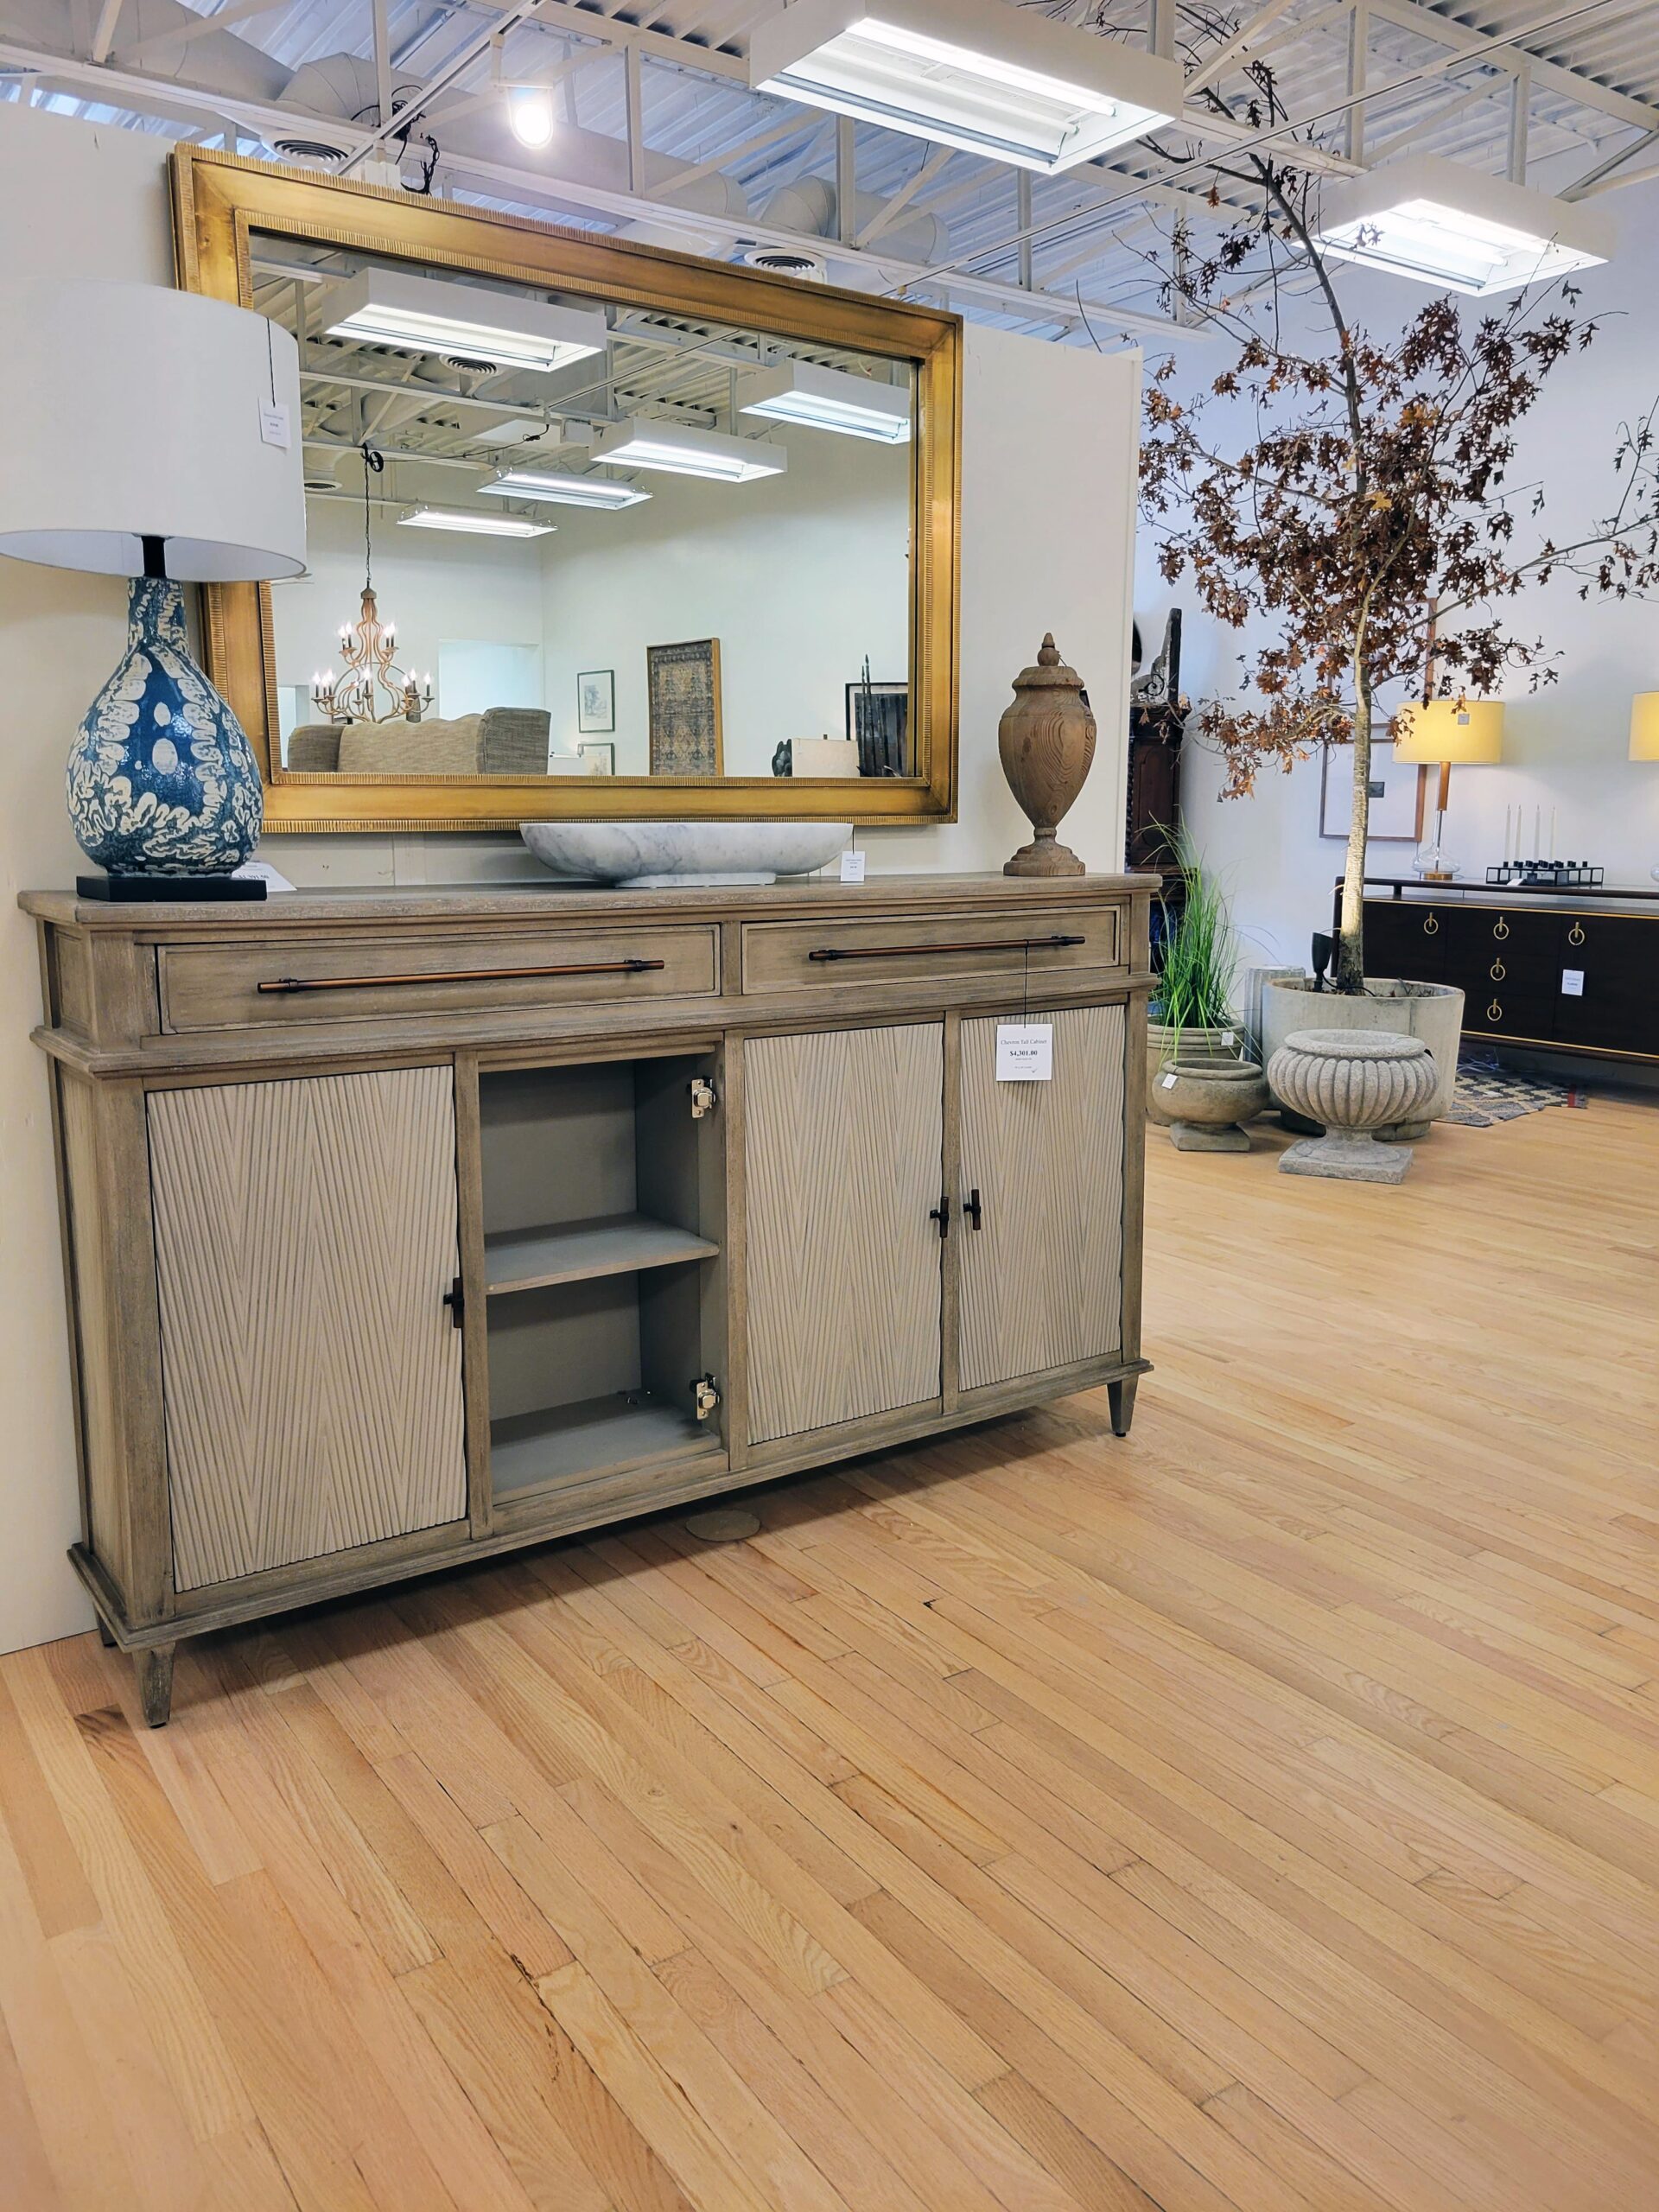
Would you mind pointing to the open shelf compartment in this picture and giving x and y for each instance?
(604, 1297)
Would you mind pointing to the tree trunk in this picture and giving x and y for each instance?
(1350, 944)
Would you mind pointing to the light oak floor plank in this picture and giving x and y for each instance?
(1257, 1814)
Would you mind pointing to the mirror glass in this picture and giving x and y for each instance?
(551, 536)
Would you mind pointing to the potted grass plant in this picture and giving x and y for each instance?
(1191, 1018)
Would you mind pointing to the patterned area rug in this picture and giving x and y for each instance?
(1488, 1093)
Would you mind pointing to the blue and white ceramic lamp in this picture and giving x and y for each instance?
(185, 467)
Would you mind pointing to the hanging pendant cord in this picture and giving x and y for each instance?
(373, 463)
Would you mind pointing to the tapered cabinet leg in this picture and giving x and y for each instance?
(103, 1636)
(154, 1669)
(1121, 1396)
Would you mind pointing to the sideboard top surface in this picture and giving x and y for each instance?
(461, 904)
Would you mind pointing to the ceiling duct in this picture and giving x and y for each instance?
(811, 206)
(342, 84)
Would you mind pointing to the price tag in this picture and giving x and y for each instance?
(273, 424)
(1025, 1051)
(1169, 1082)
(852, 868)
(1573, 982)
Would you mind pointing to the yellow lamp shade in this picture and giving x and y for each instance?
(1467, 733)
(1644, 726)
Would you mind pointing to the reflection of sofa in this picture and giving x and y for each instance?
(501, 741)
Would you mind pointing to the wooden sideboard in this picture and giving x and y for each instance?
(1545, 969)
(404, 1228)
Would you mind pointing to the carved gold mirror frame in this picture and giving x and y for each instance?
(220, 200)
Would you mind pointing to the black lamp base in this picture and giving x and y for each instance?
(145, 890)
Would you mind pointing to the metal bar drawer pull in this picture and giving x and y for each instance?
(455, 975)
(972, 944)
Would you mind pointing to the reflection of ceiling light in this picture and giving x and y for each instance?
(682, 451)
(975, 73)
(385, 307)
(827, 399)
(1444, 224)
(530, 115)
(564, 490)
(482, 525)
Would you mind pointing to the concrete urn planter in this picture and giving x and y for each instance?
(1192, 1048)
(1209, 1104)
(1433, 1012)
(1351, 1083)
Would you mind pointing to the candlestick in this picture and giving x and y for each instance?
(1552, 833)
(1537, 833)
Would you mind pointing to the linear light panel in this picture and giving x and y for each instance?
(383, 307)
(827, 399)
(996, 80)
(1445, 224)
(563, 490)
(480, 525)
(682, 450)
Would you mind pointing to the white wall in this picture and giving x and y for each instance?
(1047, 523)
(1565, 746)
(798, 575)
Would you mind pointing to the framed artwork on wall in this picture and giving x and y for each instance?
(878, 722)
(601, 751)
(595, 701)
(1397, 795)
(683, 682)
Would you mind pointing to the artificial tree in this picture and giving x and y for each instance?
(1357, 497)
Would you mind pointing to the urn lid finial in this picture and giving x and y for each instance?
(1047, 669)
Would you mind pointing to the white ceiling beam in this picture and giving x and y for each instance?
(1474, 44)
(104, 36)
(184, 35)
(1216, 65)
(884, 218)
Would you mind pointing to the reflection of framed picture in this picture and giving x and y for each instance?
(684, 684)
(601, 751)
(1397, 795)
(878, 722)
(596, 700)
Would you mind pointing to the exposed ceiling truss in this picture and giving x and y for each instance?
(662, 134)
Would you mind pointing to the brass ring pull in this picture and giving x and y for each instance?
(1575, 935)
(1430, 926)
(1494, 1013)
(1498, 971)
(1500, 927)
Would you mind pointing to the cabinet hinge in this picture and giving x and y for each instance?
(704, 1098)
(704, 1396)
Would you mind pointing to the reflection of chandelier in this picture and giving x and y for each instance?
(368, 649)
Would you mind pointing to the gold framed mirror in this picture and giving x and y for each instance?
(684, 590)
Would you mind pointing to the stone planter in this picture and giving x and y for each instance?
(1351, 1083)
(1209, 1105)
(1193, 1048)
(1433, 1012)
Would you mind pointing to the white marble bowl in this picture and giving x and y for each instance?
(651, 855)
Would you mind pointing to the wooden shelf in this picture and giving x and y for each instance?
(532, 1450)
(576, 1251)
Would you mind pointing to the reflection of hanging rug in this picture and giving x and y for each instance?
(1487, 1093)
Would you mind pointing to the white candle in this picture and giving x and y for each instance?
(1537, 833)
(1552, 833)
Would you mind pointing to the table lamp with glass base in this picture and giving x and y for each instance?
(182, 464)
(1447, 733)
(1645, 734)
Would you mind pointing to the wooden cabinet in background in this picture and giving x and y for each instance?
(402, 1231)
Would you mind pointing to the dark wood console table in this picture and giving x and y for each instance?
(1567, 971)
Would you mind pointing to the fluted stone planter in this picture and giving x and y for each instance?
(1209, 1105)
(1430, 1011)
(1353, 1082)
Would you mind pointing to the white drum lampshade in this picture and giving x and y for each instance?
(1449, 734)
(127, 411)
(153, 434)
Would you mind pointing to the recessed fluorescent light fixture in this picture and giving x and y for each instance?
(480, 525)
(1447, 225)
(827, 399)
(683, 451)
(383, 307)
(563, 490)
(1005, 82)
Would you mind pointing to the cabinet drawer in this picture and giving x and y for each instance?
(359, 979)
(1047, 943)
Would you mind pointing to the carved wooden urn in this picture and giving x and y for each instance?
(1046, 739)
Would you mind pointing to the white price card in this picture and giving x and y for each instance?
(1025, 1051)
(852, 868)
(1573, 982)
(273, 424)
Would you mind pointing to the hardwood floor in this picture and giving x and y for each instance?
(1261, 1813)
